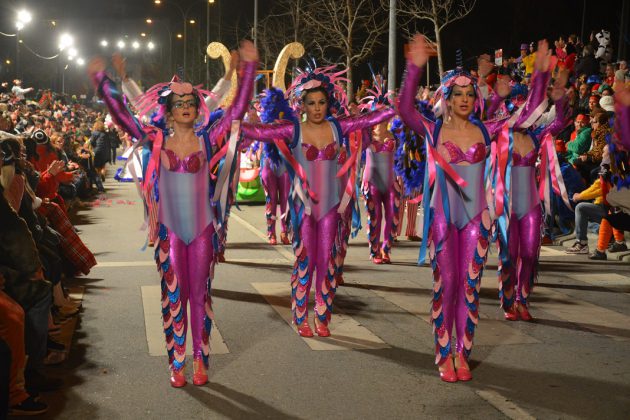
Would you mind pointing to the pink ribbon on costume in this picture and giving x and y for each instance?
(549, 163)
(299, 170)
(217, 157)
(435, 160)
(351, 164)
(500, 153)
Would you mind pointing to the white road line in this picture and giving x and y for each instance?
(151, 298)
(504, 405)
(546, 251)
(270, 261)
(279, 249)
(346, 333)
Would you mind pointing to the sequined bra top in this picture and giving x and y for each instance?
(528, 160)
(475, 153)
(389, 145)
(190, 164)
(329, 152)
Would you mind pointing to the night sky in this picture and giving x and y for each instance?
(493, 24)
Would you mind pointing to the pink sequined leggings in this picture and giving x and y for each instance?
(375, 203)
(277, 192)
(192, 267)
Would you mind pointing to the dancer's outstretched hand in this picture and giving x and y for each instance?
(543, 56)
(419, 50)
(235, 59)
(559, 84)
(120, 65)
(248, 51)
(96, 65)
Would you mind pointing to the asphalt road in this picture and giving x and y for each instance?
(572, 362)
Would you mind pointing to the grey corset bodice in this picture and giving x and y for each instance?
(524, 191)
(322, 178)
(184, 205)
(467, 202)
(379, 169)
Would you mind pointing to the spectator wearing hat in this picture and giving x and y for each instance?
(607, 103)
(580, 141)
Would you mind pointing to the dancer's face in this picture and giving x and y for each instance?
(315, 105)
(184, 109)
(462, 101)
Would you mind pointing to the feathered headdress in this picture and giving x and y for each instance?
(157, 96)
(326, 77)
(376, 96)
(452, 78)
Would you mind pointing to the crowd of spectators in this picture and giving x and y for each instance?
(53, 153)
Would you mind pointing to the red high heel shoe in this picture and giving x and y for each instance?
(523, 312)
(447, 371)
(305, 330)
(511, 314)
(386, 260)
(200, 374)
(377, 260)
(322, 330)
(177, 379)
(284, 238)
(463, 371)
(273, 240)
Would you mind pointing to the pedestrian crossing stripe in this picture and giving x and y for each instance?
(345, 332)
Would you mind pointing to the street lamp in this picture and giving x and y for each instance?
(121, 44)
(104, 43)
(22, 19)
(135, 45)
(185, 19)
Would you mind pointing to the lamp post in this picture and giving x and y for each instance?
(185, 18)
(23, 18)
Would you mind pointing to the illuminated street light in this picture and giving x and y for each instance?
(24, 16)
(179, 36)
(73, 52)
(150, 46)
(192, 21)
(157, 2)
(104, 43)
(7, 61)
(211, 1)
(19, 25)
(120, 44)
(143, 34)
(80, 61)
(53, 23)
(65, 41)
(70, 57)
(149, 21)
(135, 45)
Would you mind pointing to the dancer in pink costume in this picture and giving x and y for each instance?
(185, 200)
(380, 188)
(274, 174)
(456, 218)
(318, 158)
(519, 240)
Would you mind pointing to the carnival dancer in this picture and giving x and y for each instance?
(519, 240)
(380, 187)
(274, 174)
(318, 157)
(457, 222)
(184, 197)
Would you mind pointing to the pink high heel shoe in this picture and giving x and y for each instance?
(463, 371)
(523, 312)
(200, 374)
(177, 379)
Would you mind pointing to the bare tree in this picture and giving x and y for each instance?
(346, 29)
(439, 12)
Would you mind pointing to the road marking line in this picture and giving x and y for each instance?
(493, 332)
(279, 249)
(504, 405)
(151, 298)
(587, 315)
(346, 333)
(269, 261)
(546, 251)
